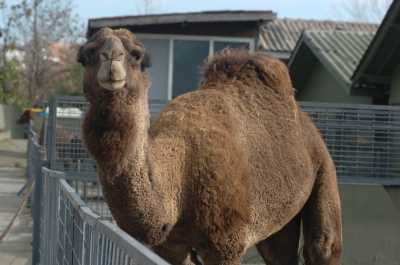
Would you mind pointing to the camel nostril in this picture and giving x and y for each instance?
(104, 56)
(113, 74)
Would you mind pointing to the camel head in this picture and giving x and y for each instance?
(115, 62)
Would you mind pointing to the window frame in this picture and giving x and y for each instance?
(173, 37)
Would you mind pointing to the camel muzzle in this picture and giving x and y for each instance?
(112, 75)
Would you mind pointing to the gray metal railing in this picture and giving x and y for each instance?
(72, 234)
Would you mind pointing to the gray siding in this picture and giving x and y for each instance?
(323, 87)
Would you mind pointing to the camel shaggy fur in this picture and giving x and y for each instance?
(228, 166)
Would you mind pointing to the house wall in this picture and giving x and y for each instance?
(321, 86)
(371, 218)
(394, 98)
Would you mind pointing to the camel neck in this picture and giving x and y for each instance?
(117, 137)
(117, 133)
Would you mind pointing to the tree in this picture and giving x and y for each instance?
(51, 21)
(362, 10)
(45, 34)
(10, 55)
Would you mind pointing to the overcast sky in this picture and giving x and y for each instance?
(312, 9)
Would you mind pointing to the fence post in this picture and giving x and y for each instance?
(37, 164)
(51, 133)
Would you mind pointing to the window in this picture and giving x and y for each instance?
(158, 50)
(176, 60)
(188, 56)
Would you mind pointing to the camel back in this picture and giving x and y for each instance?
(250, 68)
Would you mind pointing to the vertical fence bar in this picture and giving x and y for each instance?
(36, 168)
(52, 133)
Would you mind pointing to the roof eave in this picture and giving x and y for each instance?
(177, 18)
(376, 43)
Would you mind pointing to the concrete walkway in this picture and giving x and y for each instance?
(16, 248)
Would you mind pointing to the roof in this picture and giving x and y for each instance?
(192, 17)
(383, 54)
(281, 35)
(339, 51)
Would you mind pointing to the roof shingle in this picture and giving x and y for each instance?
(281, 35)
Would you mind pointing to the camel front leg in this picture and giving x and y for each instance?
(282, 247)
(174, 253)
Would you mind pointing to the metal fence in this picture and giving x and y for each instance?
(66, 231)
(363, 140)
(66, 150)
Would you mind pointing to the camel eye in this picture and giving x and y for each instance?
(136, 55)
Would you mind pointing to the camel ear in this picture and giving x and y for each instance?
(87, 54)
(80, 56)
(146, 61)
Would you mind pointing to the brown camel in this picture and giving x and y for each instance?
(231, 165)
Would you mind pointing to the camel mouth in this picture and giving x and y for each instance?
(113, 85)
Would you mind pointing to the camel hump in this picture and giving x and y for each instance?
(249, 68)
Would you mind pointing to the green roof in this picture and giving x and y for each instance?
(282, 34)
(338, 51)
